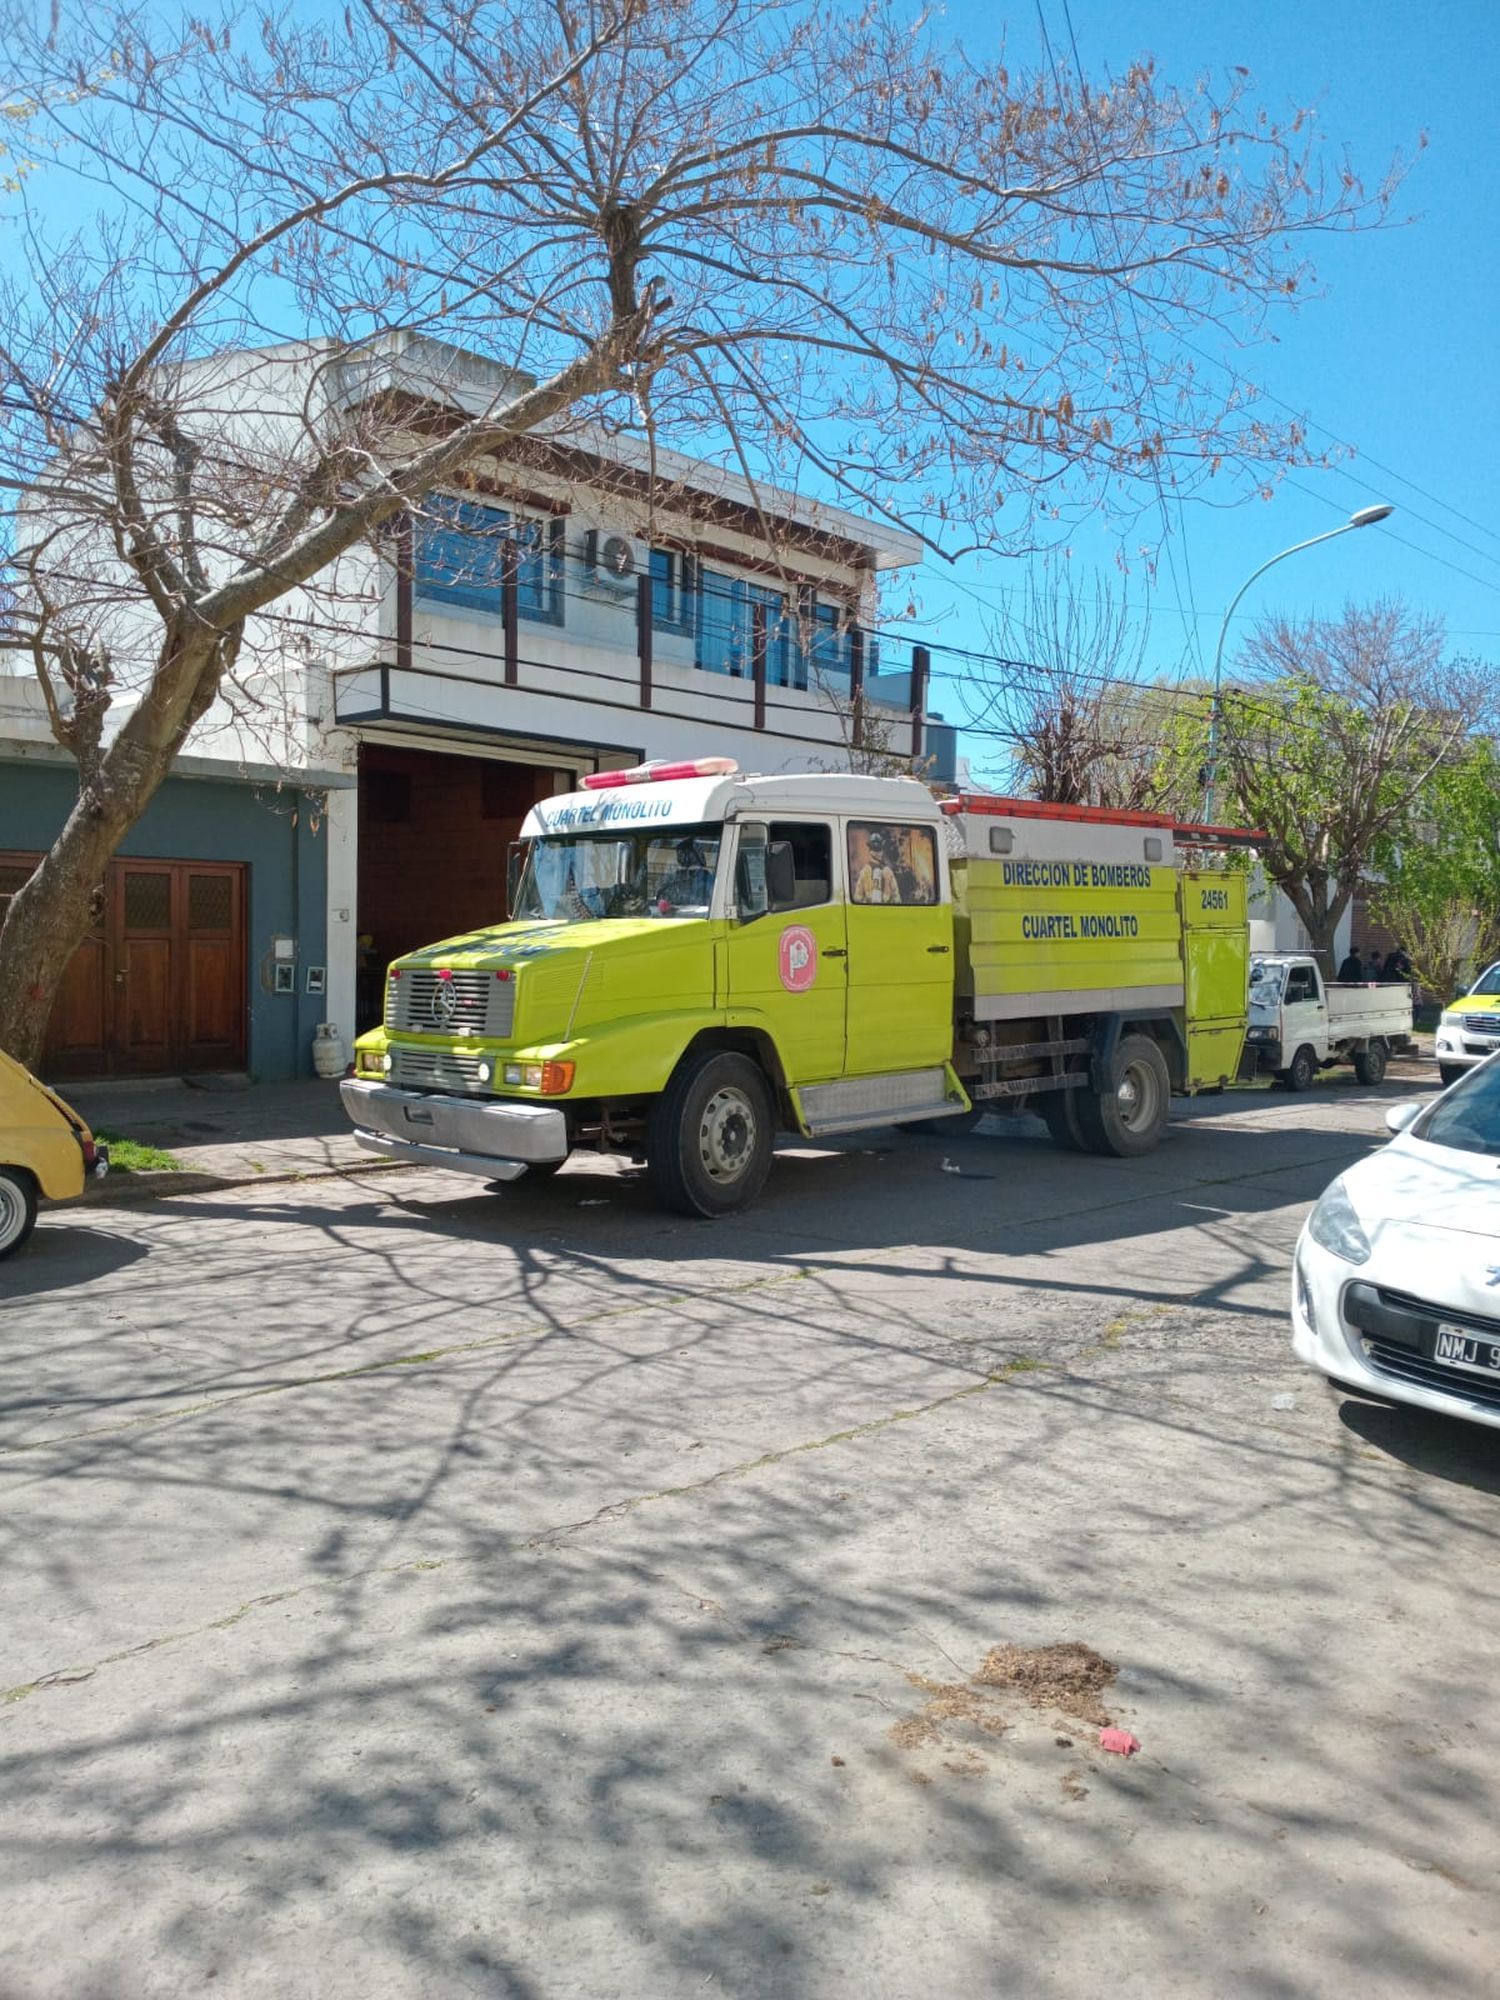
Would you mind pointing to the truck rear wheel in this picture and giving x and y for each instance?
(1369, 1063)
(1128, 1117)
(1058, 1111)
(709, 1136)
(17, 1208)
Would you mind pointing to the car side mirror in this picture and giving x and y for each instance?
(781, 875)
(1400, 1116)
(751, 870)
(515, 861)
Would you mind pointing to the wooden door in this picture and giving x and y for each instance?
(78, 1033)
(212, 1001)
(159, 984)
(145, 1024)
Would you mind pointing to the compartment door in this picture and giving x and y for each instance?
(1216, 955)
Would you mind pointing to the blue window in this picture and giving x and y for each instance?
(460, 555)
(722, 635)
(672, 607)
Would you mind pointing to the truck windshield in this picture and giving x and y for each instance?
(667, 872)
(1265, 982)
(1488, 983)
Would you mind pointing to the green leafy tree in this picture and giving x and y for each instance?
(1331, 741)
(1440, 891)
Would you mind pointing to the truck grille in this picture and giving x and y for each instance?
(420, 1002)
(435, 1069)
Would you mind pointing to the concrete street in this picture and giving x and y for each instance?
(416, 1591)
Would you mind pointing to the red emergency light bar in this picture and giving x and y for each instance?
(658, 773)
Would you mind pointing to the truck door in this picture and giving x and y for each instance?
(900, 949)
(1303, 1014)
(790, 965)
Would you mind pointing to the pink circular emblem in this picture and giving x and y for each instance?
(799, 958)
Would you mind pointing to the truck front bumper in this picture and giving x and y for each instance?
(499, 1140)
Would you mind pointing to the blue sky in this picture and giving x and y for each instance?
(1395, 358)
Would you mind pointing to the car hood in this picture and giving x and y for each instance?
(1427, 1194)
(1484, 1004)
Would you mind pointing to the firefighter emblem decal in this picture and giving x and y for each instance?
(798, 959)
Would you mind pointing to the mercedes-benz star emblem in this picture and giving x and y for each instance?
(444, 1003)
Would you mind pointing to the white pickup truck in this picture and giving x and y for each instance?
(1300, 1023)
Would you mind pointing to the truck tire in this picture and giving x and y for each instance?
(1130, 1115)
(1369, 1063)
(709, 1136)
(1301, 1072)
(1451, 1072)
(1058, 1111)
(17, 1208)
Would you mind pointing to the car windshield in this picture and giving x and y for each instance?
(1467, 1117)
(1265, 981)
(1488, 983)
(668, 872)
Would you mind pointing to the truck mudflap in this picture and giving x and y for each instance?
(467, 1135)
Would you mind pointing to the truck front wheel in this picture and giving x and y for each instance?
(1302, 1071)
(1130, 1114)
(709, 1135)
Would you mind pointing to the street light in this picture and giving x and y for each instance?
(1363, 517)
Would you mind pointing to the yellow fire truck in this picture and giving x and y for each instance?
(697, 959)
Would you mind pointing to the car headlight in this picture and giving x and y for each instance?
(1334, 1226)
(1452, 1022)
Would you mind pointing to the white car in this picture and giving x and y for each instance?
(1396, 1284)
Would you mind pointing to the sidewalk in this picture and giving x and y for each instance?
(222, 1130)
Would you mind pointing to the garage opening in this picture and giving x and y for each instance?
(434, 835)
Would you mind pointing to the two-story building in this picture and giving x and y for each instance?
(587, 604)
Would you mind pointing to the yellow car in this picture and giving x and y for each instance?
(45, 1148)
(1470, 1028)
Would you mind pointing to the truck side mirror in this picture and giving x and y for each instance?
(752, 893)
(781, 873)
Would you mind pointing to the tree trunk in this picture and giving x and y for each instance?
(1321, 915)
(50, 915)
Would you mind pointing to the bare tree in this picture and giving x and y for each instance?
(1330, 740)
(815, 240)
(1068, 709)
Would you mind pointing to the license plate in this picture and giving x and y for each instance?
(1456, 1347)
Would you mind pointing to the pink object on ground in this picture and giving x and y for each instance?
(1120, 1741)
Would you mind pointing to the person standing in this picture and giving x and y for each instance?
(1352, 971)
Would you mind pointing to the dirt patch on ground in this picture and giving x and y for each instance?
(947, 1702)
(1070, 1677)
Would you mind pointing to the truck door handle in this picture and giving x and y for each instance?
(939, 947)
(835, 951)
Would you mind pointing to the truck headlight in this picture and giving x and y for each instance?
(1334, 1225)
(1452, 1022)
(483, 1072)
